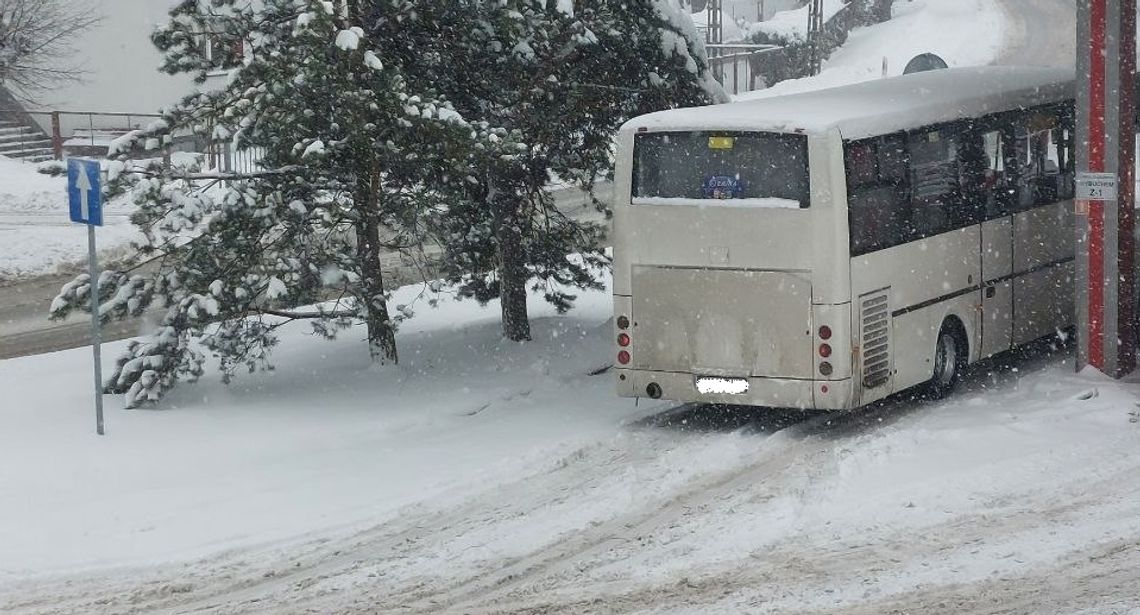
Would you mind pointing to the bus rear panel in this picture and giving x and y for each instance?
(719, 295)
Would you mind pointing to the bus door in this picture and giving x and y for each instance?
(997, 194)
(1043, 237)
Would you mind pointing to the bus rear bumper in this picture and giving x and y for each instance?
(765, 392)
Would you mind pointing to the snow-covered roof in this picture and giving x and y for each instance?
(878, 107)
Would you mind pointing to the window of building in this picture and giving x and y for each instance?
(223, 53)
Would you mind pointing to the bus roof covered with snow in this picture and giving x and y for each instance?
(880, 106)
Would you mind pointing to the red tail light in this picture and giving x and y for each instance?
(825, 332)
(825, 350)
(623, 340)
(623, 357)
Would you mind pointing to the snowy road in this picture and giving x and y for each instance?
(1021, 495)
(1039, 32)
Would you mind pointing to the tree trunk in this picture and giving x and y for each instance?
(381, 335)
(512, 265)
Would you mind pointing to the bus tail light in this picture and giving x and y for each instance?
(623, 340)
(824, 349)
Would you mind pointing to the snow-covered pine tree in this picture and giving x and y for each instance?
(348, 146)
(560, 80)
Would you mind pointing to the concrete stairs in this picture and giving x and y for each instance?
(24, 142)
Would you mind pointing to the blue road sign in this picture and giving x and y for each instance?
(85, 191)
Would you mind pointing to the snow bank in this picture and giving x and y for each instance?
(19, 180)
(792, 24)
(36, 235)
(963, 32)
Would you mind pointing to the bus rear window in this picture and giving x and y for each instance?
(741, 169)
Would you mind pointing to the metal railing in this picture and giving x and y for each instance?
(735, 65)
(225, 157)
(87, 129)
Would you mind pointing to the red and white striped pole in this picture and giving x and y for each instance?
(1106, 63)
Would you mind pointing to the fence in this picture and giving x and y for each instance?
(90, 133)
(87, 132)
(736, 65)
(226, 157)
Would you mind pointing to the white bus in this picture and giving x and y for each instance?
(827, 249)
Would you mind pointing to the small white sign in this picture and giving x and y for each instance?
(1096, 186)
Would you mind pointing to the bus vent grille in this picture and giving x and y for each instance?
(876, 321)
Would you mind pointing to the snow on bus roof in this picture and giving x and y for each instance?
(878, 107)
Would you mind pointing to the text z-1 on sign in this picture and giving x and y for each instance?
(1096, 186)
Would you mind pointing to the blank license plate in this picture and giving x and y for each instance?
(722, 386)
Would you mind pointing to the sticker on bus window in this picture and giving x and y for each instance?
(723, 187)
(721, 142)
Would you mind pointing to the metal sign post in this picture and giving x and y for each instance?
(1106, 61)
(85, 200)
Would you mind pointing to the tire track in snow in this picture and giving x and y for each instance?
(841, 577)
(399, 539)
(315, 585)
(891, 573)
(806, 455)
(230, 584)
(487, 516)
(573, 553)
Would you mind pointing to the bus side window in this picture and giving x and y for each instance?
(998, 181)
(893, 161)
(876, 184)
(1043, 155)
(936, 205)
(1065, 138)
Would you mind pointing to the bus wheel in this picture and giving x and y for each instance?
(949, 360)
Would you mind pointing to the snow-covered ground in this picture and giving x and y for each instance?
(323, 410)
(791, 24)
(485, 476)
(36, 235)
(962, 32)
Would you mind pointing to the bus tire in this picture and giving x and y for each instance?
(950, 356)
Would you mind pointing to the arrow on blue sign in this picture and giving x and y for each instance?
(85, 191)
